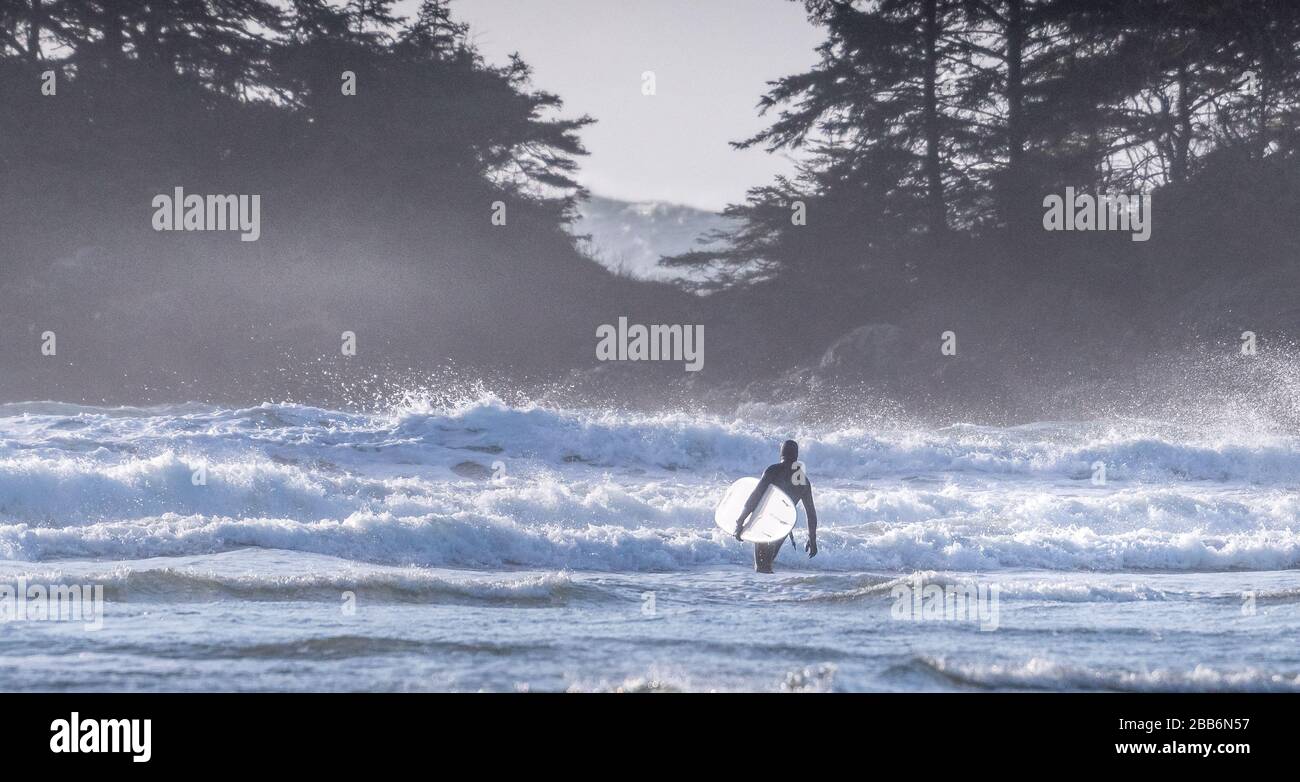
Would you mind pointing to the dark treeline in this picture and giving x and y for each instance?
(933, 130)
(376, 207)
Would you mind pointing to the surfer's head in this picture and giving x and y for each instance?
(789, 451)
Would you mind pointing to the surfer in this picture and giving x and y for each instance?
(788, 475)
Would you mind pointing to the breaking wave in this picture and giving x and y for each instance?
(486, 484)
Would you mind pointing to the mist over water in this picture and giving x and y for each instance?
(555, 533)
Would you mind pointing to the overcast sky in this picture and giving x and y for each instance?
(711, 59)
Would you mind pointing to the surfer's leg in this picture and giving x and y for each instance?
(764, 555)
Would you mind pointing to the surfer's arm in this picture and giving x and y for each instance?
(811, 510)
(755, 496)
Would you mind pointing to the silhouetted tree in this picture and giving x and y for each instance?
(964, 114)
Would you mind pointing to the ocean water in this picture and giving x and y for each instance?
(484, 546)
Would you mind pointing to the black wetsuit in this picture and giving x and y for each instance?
(782, 476)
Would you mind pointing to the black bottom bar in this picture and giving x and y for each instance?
(618, 733)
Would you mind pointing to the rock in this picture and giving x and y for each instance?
(472, 470)
(873, 349)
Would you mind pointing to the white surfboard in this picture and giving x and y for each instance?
(771, 521)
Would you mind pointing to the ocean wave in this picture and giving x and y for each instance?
(1044, 674)
(476, 541)
(866, 587)
(335, 647)
(485, 484)
(407, 585)
(682, 441)
(816, 678)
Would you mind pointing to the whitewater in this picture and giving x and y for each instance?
(481, 545)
